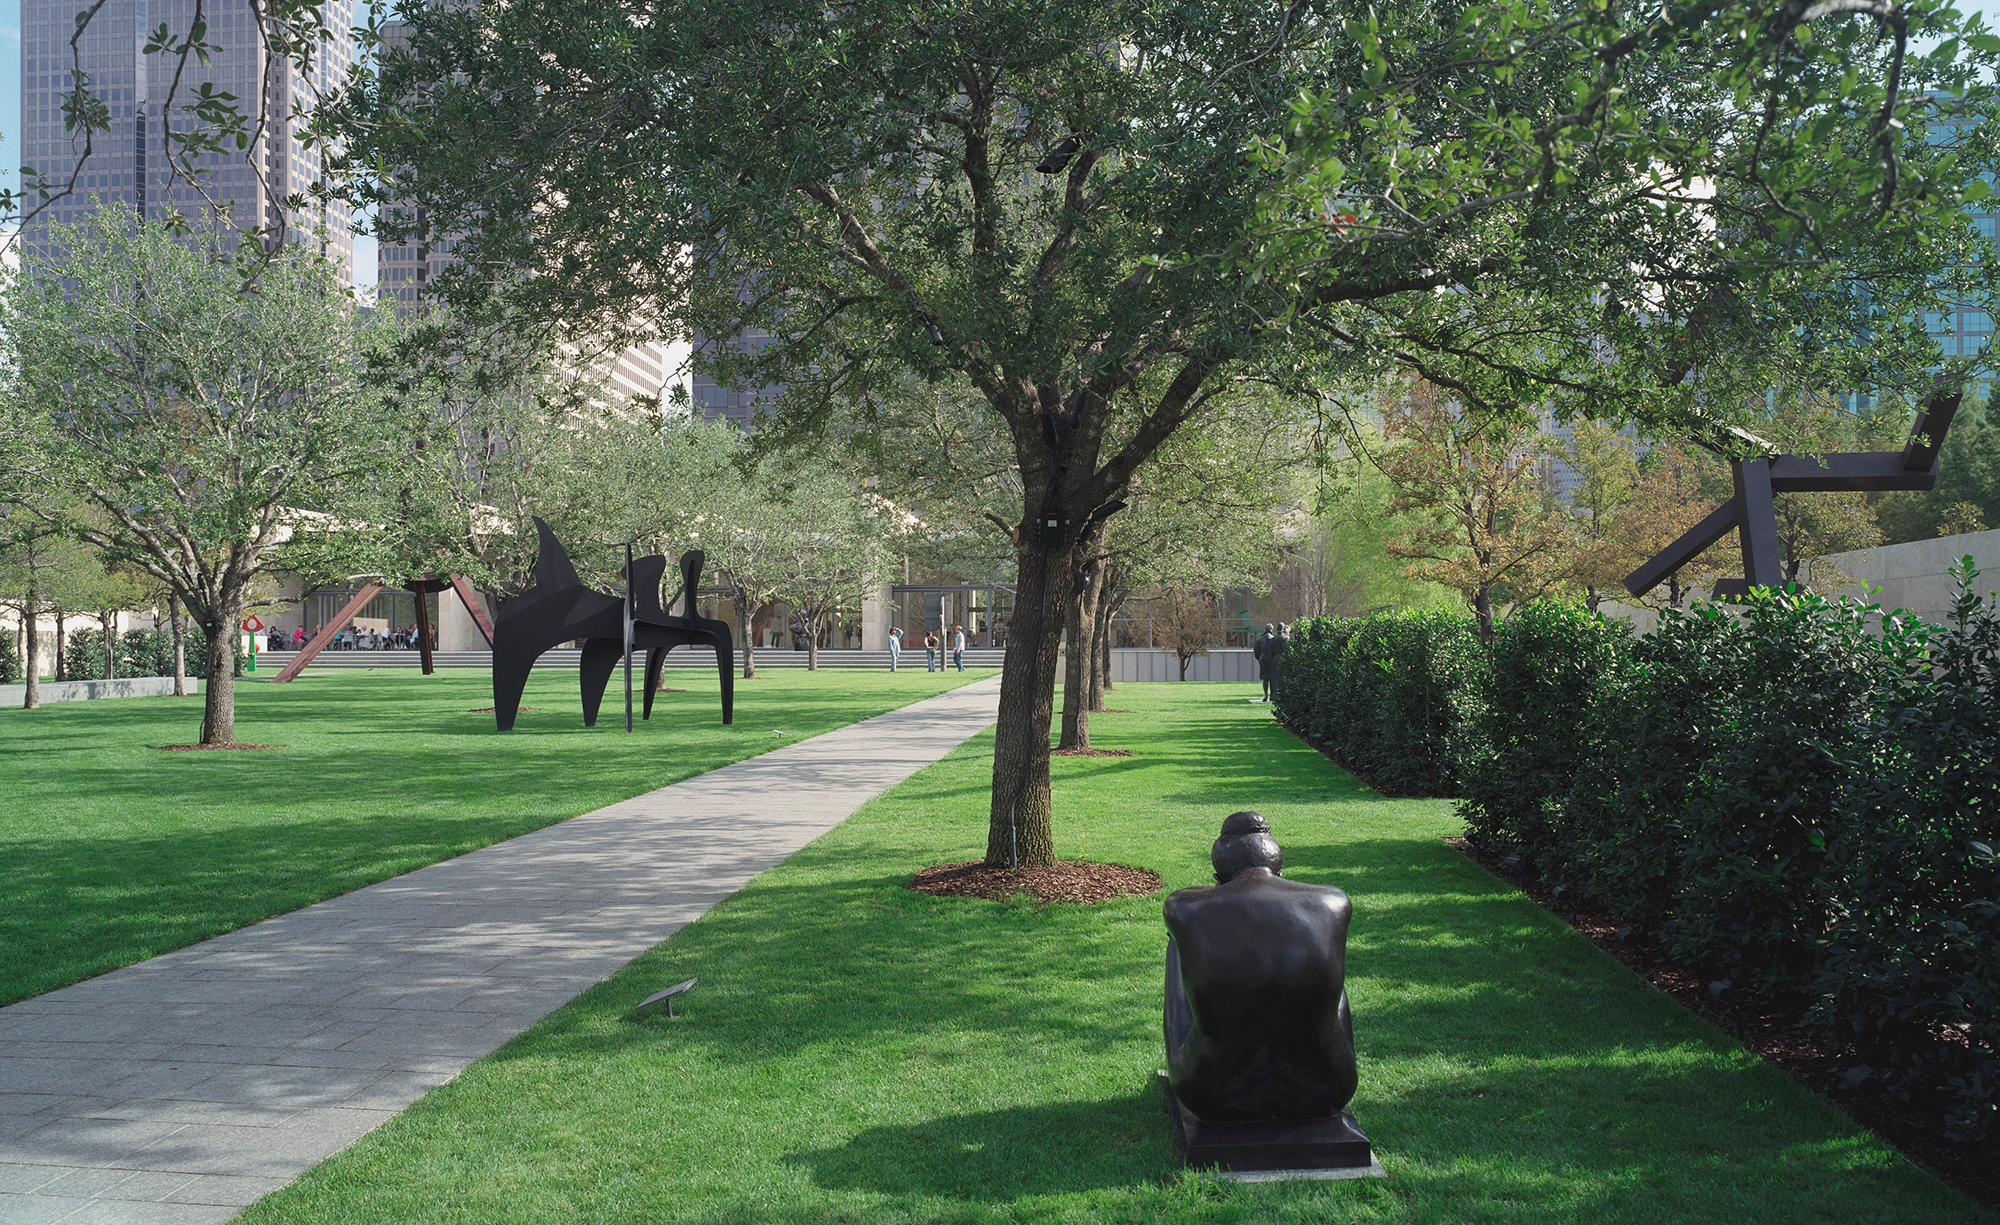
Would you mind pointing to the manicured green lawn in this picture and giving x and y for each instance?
(858, 1052)
(112, 852)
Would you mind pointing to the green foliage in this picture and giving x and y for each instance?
(10, 658)
(141, 652)
(1968, 472)
(1548, 661)
(1795, 795)
(1387, 695)
(1913, 954)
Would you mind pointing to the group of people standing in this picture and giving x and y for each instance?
(934, 657)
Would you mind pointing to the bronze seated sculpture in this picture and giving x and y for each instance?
(1260, 1042)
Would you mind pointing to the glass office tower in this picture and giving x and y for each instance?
(128, 165)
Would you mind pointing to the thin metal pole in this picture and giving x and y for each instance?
(631, 594)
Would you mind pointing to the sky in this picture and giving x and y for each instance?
(364, 246)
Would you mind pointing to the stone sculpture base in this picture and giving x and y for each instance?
(1299, 1147)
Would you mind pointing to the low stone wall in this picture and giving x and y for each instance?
(83, 691)
(1917, 576)
(1141, 664)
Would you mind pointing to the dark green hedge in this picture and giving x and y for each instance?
(10, 659)
(141, 652)
(1800, 796)
(1385, 694)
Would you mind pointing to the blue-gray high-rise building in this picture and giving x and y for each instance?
(128, 166)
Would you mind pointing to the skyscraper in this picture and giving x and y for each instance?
(129, 166)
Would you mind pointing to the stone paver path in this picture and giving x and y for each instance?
(178, 1090)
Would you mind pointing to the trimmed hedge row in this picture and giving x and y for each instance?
(10, 658)
(140, 652)
(1798, 796)
(1386, 694)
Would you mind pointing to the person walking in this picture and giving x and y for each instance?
(931, 661)
(958, 646)
(895, 647)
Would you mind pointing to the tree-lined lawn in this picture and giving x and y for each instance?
(858, 1052)
(112, 851)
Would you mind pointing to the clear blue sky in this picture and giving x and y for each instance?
(364, 248)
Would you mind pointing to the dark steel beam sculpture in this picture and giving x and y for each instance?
(1758, 478)
(559, 608)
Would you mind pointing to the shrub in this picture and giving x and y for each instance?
(1548, 661)
(1783, 794)
(1756, 888)
(1386, 694)
(1908, 973)
(10, 657)
(1650, 727)
(141, 652)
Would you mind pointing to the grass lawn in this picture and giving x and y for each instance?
(112, 852)
(858, 1052)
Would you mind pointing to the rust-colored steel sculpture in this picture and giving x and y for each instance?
(328, 632)
(559, 608)
(419, 587)
(1757, 478)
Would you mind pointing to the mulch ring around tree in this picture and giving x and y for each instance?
(203, 748)
(487, 710)
(1090, 752)
(1066, 880)
(1918, 1133)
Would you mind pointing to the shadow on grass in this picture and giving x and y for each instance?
(999, 1155)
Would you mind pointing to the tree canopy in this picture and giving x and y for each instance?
(1102, 217)
(212, 435)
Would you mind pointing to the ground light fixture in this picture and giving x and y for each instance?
(667, 997)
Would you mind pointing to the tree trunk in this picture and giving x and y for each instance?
(1079, 627)
(1020, 828)
(62, 646)
(758, 620)
(179, 626)
(109, 620)
(1482, 606)
(746, 627)
(218, 720)
(812, 641)
(1100, 673)
(33, 697)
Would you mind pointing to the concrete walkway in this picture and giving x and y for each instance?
(180, 1089)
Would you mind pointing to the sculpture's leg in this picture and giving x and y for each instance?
(1179, 1016)
(1757, 524)
(656, 662)
(600, 657)
(725, 663)
(512, 662)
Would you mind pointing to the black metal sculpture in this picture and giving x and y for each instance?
(1757, 478)
(559, 608)
(1260, 1043)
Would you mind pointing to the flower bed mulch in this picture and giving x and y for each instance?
(1066, 880)
(203, 748)
(1090, 752)
(1918, 1133)
(487, 710)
